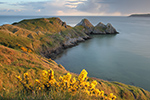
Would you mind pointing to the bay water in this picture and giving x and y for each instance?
(124, 57)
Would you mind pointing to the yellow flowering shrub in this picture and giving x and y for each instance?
(24, 49)
(65, 83)
(25, 82)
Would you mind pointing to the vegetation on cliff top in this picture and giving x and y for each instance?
(51, 25)
(43, 36)
(22, 47)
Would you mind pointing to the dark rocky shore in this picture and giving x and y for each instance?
(88, 29)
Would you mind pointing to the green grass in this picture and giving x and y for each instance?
(11, 40)
(53, 25)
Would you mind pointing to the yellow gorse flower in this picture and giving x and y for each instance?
(82, 75)
(65, 83)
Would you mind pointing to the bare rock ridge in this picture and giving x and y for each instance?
(88, 27)
(100, 28)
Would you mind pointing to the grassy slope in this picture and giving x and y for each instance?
(42, 36)
(14, 62)
(52, 25)
(38, 36)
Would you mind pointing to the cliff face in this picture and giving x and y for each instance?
(49, 36)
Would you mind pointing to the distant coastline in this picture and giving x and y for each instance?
(140, 15)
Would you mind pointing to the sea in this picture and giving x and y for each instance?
(124, 57)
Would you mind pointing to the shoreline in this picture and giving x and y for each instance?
(55, 53)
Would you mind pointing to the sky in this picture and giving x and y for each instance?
(74, 7)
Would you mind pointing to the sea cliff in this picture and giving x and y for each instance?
(50, 36)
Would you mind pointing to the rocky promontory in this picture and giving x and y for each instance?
(50, 36)
(86, 25)
(100, 28)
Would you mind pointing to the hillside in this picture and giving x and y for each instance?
(47, 37)
(29, 45)
(14, 62)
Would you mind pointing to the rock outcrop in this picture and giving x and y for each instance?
(100, 28)
(110, 29)
(87, 26)
(49, 36)
(72, 41)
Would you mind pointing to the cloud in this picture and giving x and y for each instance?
(10, 11)
(57, 7)
(98, 7)
(91, 6)
(124, 7)
(77, 7)
(2, 2)
(74, 4)
(37, 8)
(129, 6)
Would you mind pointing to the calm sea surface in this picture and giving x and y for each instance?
(124, 57)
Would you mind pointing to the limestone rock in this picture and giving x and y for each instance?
(100, 28)
(88, 27)
(72, 41)
(110, 29)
